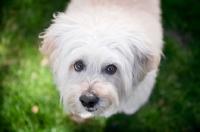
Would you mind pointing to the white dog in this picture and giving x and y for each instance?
(104, 55)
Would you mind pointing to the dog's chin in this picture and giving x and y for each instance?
(91, 112)
(86, 115)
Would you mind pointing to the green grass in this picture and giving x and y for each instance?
(24, 83)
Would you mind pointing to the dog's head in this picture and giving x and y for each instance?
(95, 67)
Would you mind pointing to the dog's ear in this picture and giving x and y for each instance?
(49, 48)
(145, 59)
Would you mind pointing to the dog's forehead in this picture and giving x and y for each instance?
(98, 55)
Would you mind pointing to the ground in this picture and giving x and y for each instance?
(29, 100)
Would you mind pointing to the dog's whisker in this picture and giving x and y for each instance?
(98, 107)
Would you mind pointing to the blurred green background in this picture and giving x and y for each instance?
(29, 101)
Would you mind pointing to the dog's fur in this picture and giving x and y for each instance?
(125, 33)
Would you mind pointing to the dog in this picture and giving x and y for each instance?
(104, 55)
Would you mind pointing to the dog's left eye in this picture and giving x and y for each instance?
(78, 66)
(111, 69)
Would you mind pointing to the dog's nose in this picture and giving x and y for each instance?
(89, 100)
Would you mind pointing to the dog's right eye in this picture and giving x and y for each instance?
(111, 69)
(78, 66)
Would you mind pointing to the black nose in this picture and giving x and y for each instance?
(89, 100)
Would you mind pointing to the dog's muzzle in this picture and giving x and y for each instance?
(89, 100)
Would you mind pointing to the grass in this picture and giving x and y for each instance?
(24, 83)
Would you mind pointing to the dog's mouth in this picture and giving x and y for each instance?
(90, 112)
(91, 109)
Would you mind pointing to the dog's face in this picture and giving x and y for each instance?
(92, 82)
(95, 69)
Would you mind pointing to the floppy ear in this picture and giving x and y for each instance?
(49, 48)
(145, 59)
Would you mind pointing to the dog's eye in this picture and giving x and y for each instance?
(78, 66)
(111, 69)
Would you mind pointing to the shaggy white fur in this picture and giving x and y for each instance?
(126, 34)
